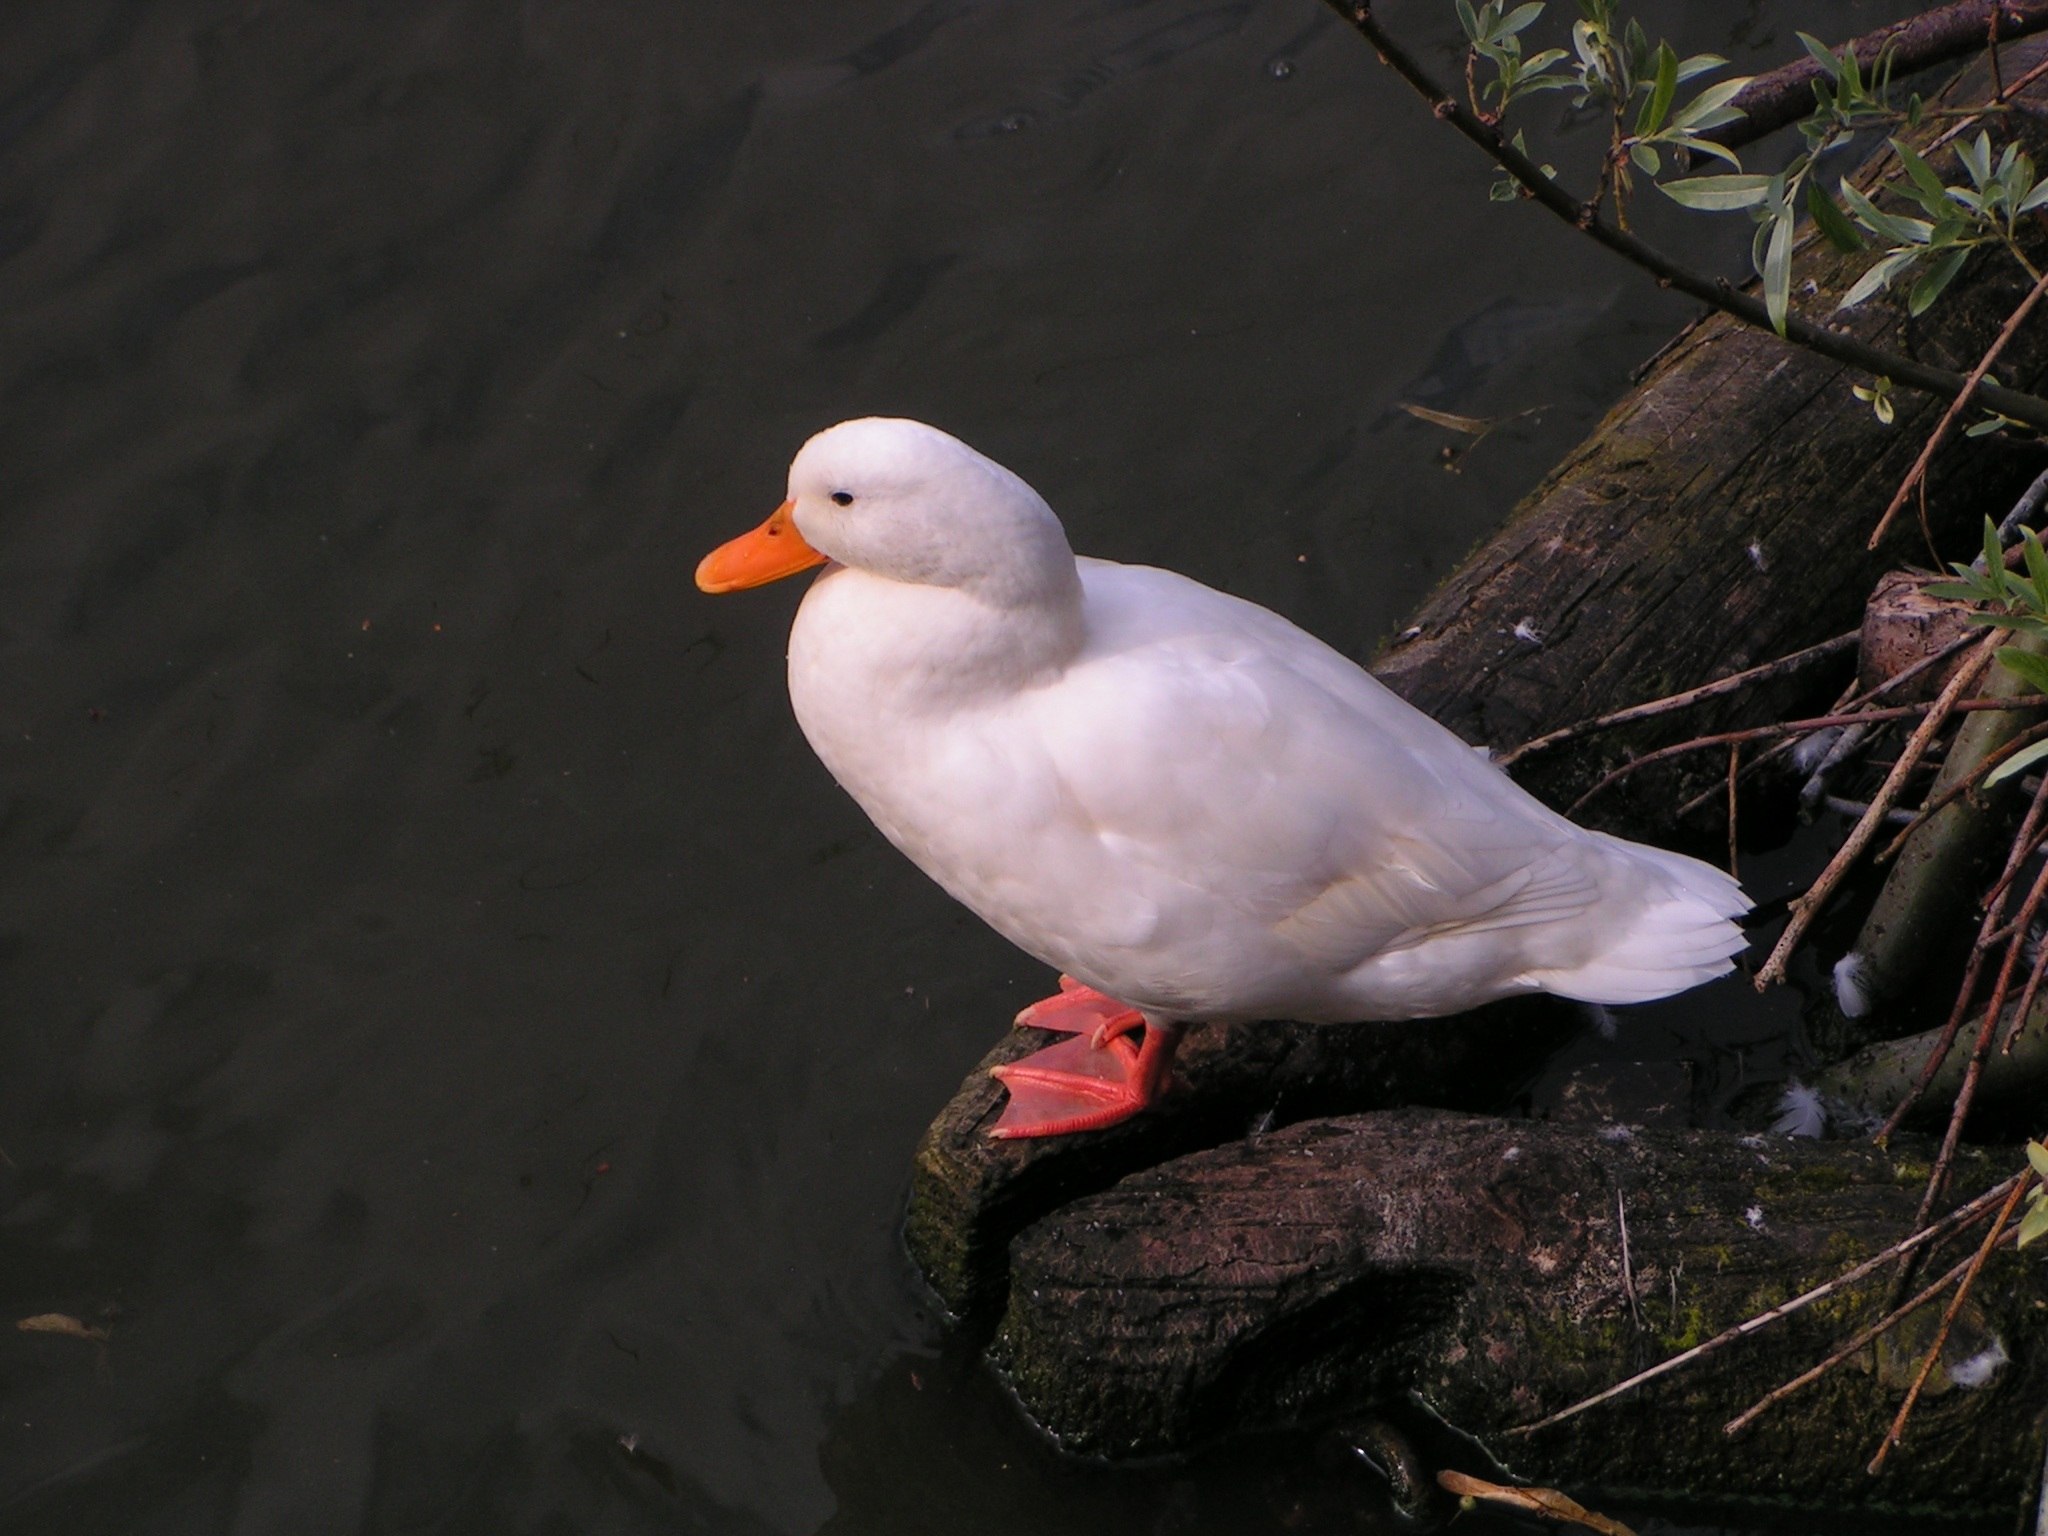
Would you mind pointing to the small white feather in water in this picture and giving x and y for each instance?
(1852, 986)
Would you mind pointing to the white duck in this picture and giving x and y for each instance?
(1195, 810)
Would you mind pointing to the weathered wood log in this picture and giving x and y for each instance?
(970, 1195)
(1716, 518)
(1480, 1263)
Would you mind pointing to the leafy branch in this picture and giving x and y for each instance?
(2005, 599)
(1542, 187)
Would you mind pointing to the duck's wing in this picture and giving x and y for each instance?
(1217, 747)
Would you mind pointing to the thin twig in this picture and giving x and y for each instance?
(1734, 770)
(1802, 728)
(1719, 292)
(1883, 1325)
(1628, 1268)
(1807, 907)
(1961, 787)
(2021, 514)
(1836, 803)
(1973, 1074)
(1963, 125)
(1994, 910)
(2023, 846)
(1948, 1317)
(1677, 701)
(1851, 698)
(1955, 1220)
(2025, 1010)
(1991, 42)
(1916, 475)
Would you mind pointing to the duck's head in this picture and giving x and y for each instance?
(907, 502)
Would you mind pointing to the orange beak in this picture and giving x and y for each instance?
(772, 551)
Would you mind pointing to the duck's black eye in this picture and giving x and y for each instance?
(843, 498)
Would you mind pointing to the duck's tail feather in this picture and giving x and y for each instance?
(1682, 933)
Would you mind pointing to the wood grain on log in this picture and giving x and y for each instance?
(970, 1195)
(1478, 1263)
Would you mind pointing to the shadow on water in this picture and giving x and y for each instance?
(450, 1029)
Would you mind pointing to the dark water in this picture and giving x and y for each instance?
(452, 1030)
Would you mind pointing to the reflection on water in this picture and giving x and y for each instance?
(452, 1029)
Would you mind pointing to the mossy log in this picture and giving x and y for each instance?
(1480, 1264)
(2010, 1094)
(970, 1195)
(1715, 519)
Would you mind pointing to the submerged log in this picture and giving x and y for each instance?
(1481, 1264)
(1716, 518)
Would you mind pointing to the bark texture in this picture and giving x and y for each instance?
(1782, 96)
(970, 1195)
(1479, 1263)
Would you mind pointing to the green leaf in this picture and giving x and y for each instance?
(1935, 278)
(2037, 1158)
(1777, 271)
(2037, 568)
(1831, 221)
(1467, 20)
(1821, 54)
(2031, 670)
(1717, 194)
(1518, 18)
(1878, 278)
(2035, 1222)
(1698, 146)
(1645, 158)
(1927, 189)
(1889, 226)
(1852, 75)
(1662, 89)
(2016, 623)
(1698, 64)
(2020, 761)
(1976, 157)
(2038, 198)
(1710, 108)
(1956, 591)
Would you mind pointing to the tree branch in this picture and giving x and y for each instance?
(1784, 95)
(1971, 386)
(1719, 292)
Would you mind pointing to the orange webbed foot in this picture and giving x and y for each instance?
(1095, 1080)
